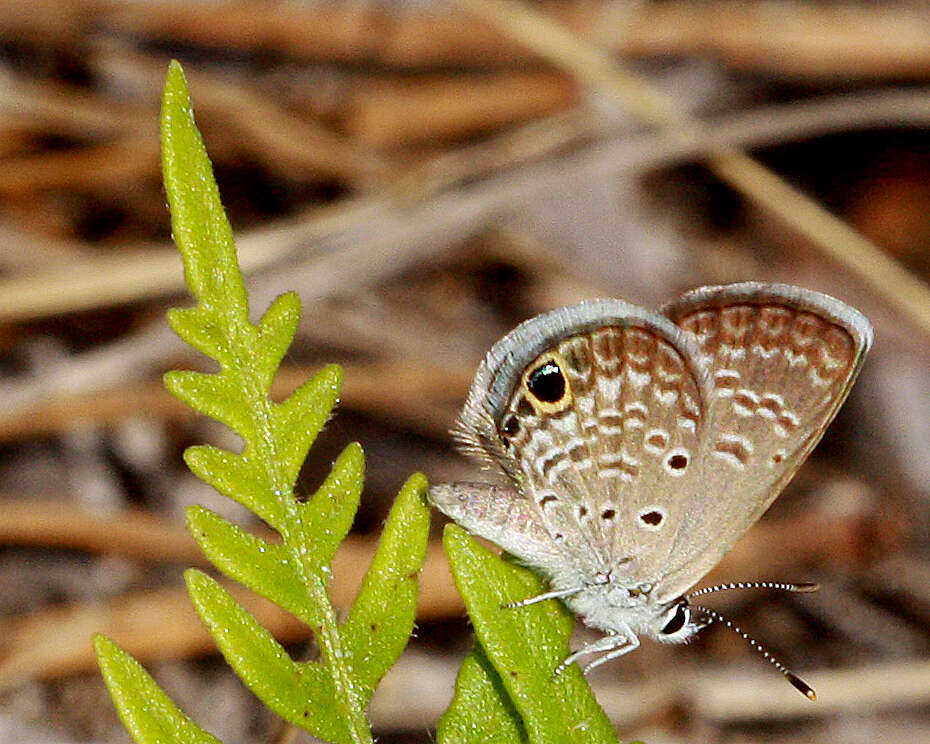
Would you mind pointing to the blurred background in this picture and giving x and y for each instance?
(426, 175)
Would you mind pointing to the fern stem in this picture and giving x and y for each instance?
(331, 646)
(299, 540)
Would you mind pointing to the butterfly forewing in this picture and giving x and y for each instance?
(781, 361)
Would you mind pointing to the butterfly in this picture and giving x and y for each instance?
(638, 446)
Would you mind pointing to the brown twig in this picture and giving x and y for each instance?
(596, 68)
(736, 697)
(444, 107)
(423, 397)
(162, 623)
(785, 38)
(140, 273)
(52, 641)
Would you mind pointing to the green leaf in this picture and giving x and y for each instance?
(276, 438)
(327, 698)
(300, 418)
(276, 331)
(198, 222)
(147, 713)
(264, 567)
(215, 395)
(382, 617)
(481, 710)
(197, 328)
(525, 645)
(236, 476)
(301, 693)
(328, 514)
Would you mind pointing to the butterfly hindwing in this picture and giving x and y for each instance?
(781, 361)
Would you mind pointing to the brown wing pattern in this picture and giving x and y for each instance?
(600, 456)
(781, 361)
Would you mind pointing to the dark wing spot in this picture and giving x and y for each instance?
(744, 400)
(657, 439)
(653, 518)
(578, 453)
(608, 513)
(550, 462)
(582, 512)
(511, 427)
(678, 462)
(546, 499)
(770, 404)
(733, 447)
(612, 419)
(547, 383)
(787, 422)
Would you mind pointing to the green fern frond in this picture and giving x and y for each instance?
(329, 697)
(515, 697)
(145, 710)
(481, 710)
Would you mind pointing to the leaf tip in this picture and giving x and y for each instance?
(332, 376)
(418, 482)
(195, 579)
(194, 515)
(109, 655)
(102, 645)
(416, 487)
(454, 538)
(175, 71)
(175, 90)
(355, 452)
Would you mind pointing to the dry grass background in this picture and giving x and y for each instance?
(425, 175)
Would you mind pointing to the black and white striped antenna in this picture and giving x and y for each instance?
(798, 683)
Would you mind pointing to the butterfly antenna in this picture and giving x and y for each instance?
(798, 683)
(780, 585)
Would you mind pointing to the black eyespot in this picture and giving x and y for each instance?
(677, 462)
(547, 383)
(511, 427)
(677, 621)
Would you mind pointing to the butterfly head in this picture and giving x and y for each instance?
(617, 609)
(677, 623)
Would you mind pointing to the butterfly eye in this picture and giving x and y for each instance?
(547, 383)
(678, 620)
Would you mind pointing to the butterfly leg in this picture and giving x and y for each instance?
(542, 598)
(628, 645)
(615, 644)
